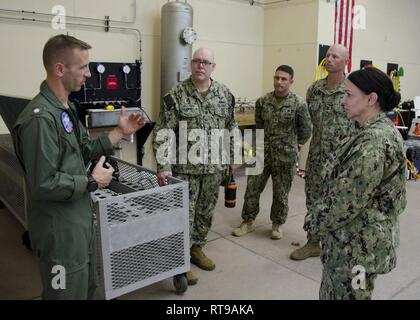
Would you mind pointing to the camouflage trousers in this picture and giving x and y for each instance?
(313, 191)
(203, 194)
(341, 284)
(282, 176)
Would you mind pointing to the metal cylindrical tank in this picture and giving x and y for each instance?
(175, 51)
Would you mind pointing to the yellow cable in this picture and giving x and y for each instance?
(395, 80)
(412, 169)
(321, 72)
(398, 112)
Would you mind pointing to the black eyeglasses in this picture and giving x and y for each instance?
(203, 62)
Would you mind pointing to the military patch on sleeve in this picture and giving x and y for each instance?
(66, 122)
(169, 101)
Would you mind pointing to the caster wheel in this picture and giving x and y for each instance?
(180, 283)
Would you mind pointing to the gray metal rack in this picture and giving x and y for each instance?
(143, 231)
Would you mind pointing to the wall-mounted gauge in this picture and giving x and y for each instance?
(189, 35)
(100, 68)
(126, 69)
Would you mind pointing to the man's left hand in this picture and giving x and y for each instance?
(132, 123)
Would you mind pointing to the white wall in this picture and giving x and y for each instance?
(291, 31)
(234, 30)
(326, 12)
(249, 42)
(291, 38)
(391, 36)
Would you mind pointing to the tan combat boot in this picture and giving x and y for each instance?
(310, 249)
(277, 232)
(200, 259)
(192, 279)
(244, 228)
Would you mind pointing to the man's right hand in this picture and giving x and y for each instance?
(163, 177)
(102, 175)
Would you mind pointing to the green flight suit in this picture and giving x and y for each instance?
(214, 110)
(286, 123)
(53, 151)
(357, 215)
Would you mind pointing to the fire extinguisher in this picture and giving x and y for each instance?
(230, 193)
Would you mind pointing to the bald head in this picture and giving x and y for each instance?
(337, 59)
(342, 50)
(204, 54)
(202, 66)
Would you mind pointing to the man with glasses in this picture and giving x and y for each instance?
(204, 104)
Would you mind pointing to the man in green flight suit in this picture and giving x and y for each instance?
(198, 105)
(53, 148)
(287, 126)
(330, 128)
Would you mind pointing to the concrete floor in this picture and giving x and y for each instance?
(251, 267)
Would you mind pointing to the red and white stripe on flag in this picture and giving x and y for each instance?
(343, 31)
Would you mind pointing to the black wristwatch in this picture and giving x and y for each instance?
(92, 185)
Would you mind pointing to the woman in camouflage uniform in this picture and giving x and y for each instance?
(357, 216)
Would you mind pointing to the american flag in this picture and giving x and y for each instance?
(343, 31)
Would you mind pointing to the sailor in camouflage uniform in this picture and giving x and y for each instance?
(357, 216)
(286, 122)
(205, 104)
(330, 128)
